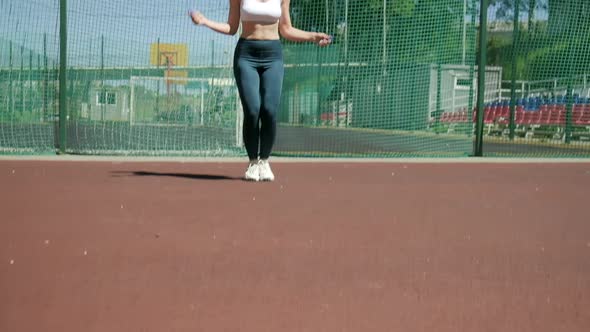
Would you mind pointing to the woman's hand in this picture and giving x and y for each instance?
(322, 39)
(227, 28)
(197, 17)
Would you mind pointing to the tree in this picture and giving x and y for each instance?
(565, 16)
(569, 17)
(545, 49)
(415, 30)
(504, 9)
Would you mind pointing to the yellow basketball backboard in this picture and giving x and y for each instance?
(169, 55)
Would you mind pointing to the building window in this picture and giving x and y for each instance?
(106, 98)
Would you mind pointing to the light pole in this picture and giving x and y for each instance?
(327, 17)
(464, 29)
(384, 33)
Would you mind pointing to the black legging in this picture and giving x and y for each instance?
(259, 71)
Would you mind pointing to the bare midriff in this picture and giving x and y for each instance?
(260, 31)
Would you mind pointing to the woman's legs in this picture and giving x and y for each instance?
(258, 69)
(271, 84)
(248, 82)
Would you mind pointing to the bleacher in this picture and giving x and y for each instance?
(533, 116)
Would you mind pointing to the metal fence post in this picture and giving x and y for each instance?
(481, 78)
(567, 132)
(63, 65)
(515, 43)
(10, 84)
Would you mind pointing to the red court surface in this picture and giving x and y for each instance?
(128, 246)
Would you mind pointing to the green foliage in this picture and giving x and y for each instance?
(540, 54)
(411, 34)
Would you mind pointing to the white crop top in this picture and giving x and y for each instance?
(257, 11)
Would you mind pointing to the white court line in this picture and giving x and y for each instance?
(393, 160)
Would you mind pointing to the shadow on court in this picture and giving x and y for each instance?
(209, 177)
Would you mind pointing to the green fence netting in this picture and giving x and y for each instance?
(400, 79)
(542, 106)
(29, 44)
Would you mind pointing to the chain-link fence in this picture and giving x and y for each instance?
(400, 79)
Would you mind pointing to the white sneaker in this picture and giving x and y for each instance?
(265, 171)
(253, 171)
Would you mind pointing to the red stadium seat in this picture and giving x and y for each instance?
(577, 113)
(538, 117)
(489, 116)
(463, 116)
(529, 117)
(557, 117)
(505, 112)
(327, 116)
(544, 116)
(451, 117)
(585, 118)
(503, 120)
(553, 116)
(561, 117)
(519, 117)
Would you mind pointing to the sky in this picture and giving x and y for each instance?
(128, 29)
